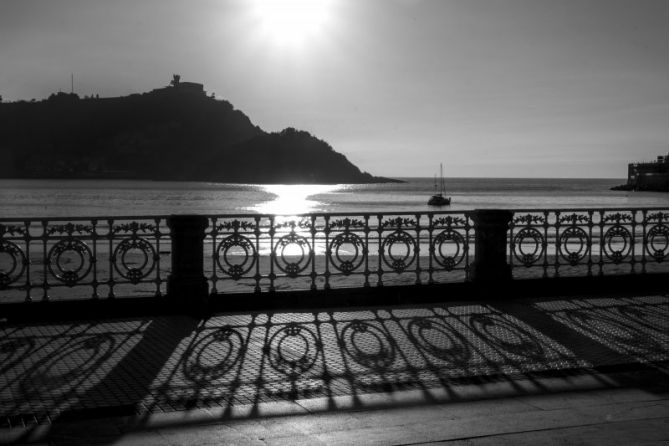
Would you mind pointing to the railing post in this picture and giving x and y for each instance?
(187, 285)
(490, 258)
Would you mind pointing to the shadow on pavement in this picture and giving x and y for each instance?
(134, 366)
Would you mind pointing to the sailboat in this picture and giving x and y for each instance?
(438, 199)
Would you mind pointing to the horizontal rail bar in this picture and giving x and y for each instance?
(332, 214)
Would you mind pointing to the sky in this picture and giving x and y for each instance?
(489, 88)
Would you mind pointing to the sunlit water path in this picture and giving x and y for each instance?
(69, 198)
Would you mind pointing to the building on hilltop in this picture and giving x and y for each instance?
(191, 87)
(651, 176)
(176, 86)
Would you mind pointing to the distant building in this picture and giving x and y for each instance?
(653, 175)
(182, 87)
(191, 87)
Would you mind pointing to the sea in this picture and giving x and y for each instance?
(92, 198)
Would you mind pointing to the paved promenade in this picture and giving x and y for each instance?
(565, 370)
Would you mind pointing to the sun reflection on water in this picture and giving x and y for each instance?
(289, 202)
(293, 199)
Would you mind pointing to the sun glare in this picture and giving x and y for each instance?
(290, 22)
(292, 199)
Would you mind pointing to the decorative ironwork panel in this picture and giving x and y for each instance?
(78, 258)
(584, 242)
(528, 240)
(14, 265)
(449, 237)
(574, 244)
(101, 257)
(529, 246)
(233, 246)
(398, 250)
(70, 261)
(657, 241)
(617, 243)
(336, 252)
(255, 253)
(123, 261)
(292, 253)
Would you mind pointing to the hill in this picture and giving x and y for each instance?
(173, 133)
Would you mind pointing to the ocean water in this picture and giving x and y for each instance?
(85, 198)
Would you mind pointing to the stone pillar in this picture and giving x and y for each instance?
(187, 285)
(490, 258)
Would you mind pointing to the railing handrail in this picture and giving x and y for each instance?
(96, 218)
(593, 209)
(335, 214)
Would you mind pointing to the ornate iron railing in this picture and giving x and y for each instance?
(47, 258)
(321, 251)
(104, 257)
(587, 242)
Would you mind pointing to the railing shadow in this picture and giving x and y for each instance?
(143, 366)
(634, 327)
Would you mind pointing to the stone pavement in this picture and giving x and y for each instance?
(297, 376)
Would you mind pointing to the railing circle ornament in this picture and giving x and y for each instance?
(346, 265)
(446, 238)
(398, 261)
(124, 262)
(617, 243)
(70, 251)
(292, 245)
(657, 242)
(293, 350)
(571, 238)
(12, 270)
(236, 245)
(528, 246)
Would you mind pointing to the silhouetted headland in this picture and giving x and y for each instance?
(175, 133)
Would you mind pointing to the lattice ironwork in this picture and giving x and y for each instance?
(252, 253)
(337, 252)
(14, 266)
(292, 253)
(100, 257)
(617, 243)
(123, 264)
(70, 260)
(584, 242)
(398, 250)
(574, 244)
(63, 259)
(529, 246)
(449, 249)
(233, 246)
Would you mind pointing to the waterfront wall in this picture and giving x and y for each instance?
(650, 176)
(652, 182)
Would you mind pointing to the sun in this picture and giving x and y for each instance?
(292, 22)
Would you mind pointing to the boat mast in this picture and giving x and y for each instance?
(441, 175)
